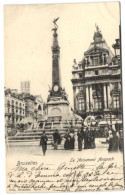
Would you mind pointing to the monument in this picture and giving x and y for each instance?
(57, 103)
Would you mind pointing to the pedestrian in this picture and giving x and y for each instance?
(43, 142)
(80, 139)
(67, 140)
(56, 139)
(87, 138)
(113, 142)
(72, 139)
(92, 139)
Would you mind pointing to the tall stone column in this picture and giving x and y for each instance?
(74, 96)
(87, 98)
(104, 95)
(109, 96)
(91, 98)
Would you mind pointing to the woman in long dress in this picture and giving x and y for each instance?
(72, 140)
(80, 140)
(67, 140)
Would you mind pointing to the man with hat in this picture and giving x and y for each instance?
(43, 142)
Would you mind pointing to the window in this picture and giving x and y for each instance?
(116, 101)
(98, 103)
(80, 75)
(12, 103)
(115, 85)
(20, 104)
(96, 61)
(81, 104)
(96, 72)
(8, 103)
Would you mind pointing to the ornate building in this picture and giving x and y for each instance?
(97, 81)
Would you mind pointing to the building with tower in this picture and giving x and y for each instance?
(25, 86)
(96, 81)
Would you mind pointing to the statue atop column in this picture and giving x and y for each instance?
(55, 25)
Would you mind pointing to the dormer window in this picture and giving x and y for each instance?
(96, 61)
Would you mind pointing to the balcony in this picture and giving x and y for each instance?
(93, 66)
(8, 114)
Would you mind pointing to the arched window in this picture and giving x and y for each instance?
(39, 107)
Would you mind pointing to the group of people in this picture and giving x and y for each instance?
(85, 138)
(69, 139)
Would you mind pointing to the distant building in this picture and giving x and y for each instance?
(29, 104)
(14, 108)
(25, 87)
(96, 81)
(33, 105)
(22, 105)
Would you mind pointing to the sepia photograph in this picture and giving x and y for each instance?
(63, 97)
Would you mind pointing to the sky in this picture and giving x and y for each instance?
(28, 40)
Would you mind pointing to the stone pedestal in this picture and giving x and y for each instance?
(58, 109)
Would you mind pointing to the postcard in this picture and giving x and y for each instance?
(63, 97)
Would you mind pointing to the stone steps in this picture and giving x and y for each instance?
(33, 135)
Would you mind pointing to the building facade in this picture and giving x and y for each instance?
(14, 108)
(19, 106)
(97, 81)
(33, 105)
